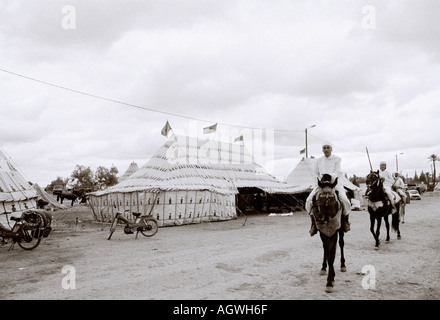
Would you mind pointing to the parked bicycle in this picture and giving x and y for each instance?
(28, 230)
(147, 224)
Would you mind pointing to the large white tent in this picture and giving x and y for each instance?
(303, 176)
(132, 168)
(16, 194)
(188, 180)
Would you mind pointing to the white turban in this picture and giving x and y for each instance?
(327, 143)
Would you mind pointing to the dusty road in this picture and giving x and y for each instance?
(268, 258)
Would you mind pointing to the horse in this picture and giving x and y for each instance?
(379, 207)
(69, 194)
(327, 214)
(402, 204)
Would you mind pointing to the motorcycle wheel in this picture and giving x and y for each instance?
(150, 228)
(28, 242)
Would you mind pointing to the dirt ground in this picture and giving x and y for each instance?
(262, 258)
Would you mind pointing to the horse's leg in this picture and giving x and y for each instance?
(395, 220)
(402, 211)
(324, 240)
(61, 198)
(341, 245)
(332, 242)
(372, 223)
(387, 225)
(379, 223)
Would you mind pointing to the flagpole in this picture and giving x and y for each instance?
(306, 144)
(306, 138)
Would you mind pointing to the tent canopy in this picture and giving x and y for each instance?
(130, 170)
(186, 163)
(13, 186)
(188, 180)
(16, 193)
(303, 176)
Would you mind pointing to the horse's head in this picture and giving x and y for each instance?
(325, 202)
(374, 186)
(372, 178)
(326, 182)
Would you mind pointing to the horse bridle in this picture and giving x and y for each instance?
(327, 199)
(375, 182)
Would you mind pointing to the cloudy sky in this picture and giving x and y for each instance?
(93, 82)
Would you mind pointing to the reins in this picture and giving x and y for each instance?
(376, 185)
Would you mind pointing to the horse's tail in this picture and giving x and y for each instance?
(395, 219)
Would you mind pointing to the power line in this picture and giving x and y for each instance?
(136, 106)
(151, 109)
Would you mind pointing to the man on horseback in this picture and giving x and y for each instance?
(329, 164)
(388, 182)
(399, 186)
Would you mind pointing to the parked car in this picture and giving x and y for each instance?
(414, 195)
(411, 186)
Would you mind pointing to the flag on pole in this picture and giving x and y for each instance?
(166, 129)
(240, 138)
(302, 151)
(210, 129)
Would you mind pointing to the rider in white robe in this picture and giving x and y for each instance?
(388, 181)
(329, 164)
(399, 186)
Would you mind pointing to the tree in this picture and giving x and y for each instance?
(105, 178)
(82, 178)
(416, 177)
(422, 177)
(434, 158)
(58, 183)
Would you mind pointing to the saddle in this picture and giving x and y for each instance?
(379, 204)
(397, 197)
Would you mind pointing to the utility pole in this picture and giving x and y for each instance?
(397, 163)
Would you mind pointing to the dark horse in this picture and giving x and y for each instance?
(69, 194)
(327, 213)
(379, 207)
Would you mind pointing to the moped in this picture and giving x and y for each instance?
(28, 230)
(147, 225)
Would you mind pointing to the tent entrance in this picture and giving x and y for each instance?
(255, 200)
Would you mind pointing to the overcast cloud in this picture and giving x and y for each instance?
(364, 72)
